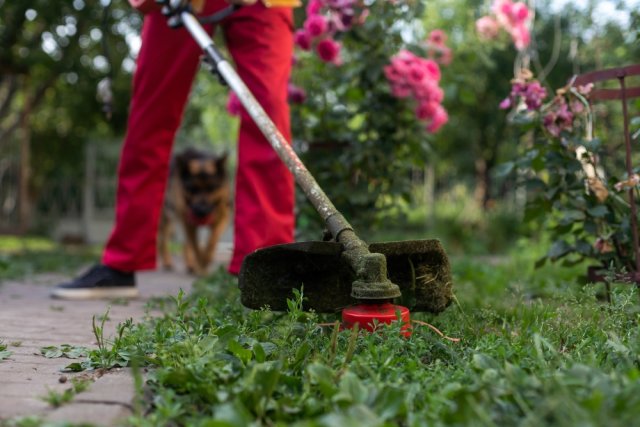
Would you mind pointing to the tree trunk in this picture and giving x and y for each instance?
(482, 192)
(25, 168)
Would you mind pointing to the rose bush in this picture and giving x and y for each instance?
(575, 182)
(371, 78)
(576, 186)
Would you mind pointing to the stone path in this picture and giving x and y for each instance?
(30, 320)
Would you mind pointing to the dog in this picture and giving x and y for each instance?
(198, 195)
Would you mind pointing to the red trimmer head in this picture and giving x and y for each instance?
(368, 315)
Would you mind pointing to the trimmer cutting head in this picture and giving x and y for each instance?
(268, 276)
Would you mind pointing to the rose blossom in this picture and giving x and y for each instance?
(302, 39)
(313, 7)
(329, 51)
(426, 110)
(296, 94)
(440, 117)
(411, 76)
(521, 36)
(558, 119)
(513, 17)
(234, 106)
(437, 37)
(487, 27)
(316, 26)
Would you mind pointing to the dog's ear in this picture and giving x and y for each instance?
(221, 162)
(182, 160)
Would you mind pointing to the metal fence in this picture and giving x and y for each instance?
(71, 208)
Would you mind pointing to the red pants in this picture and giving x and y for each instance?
(261, 43)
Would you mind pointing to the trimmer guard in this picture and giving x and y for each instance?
(268, 276)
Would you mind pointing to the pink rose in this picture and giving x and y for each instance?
(329, 51)
(402, 66)
(432, 68)
(302, 39)
(234, 106)
(519, 13)
(487, 27)
(506, 103)
(437, 37)
(521, 36)
(401, 90)
(417, 74)
(426, 110)
(313, 7)
(296, 94)
(393, 74)
(316, 26)
(429, 91)
(440, 117)
(406, 57)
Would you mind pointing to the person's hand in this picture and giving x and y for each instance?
(197, 5)
(242, 2)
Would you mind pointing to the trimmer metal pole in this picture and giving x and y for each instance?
(371, 281)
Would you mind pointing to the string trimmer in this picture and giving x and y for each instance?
(344, 273)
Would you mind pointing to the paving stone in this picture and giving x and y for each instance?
(100, 414)
(29, 316)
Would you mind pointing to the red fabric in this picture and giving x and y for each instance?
(260, 41)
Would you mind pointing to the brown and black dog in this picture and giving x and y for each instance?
(198, 195)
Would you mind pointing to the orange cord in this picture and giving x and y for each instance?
(436, 330)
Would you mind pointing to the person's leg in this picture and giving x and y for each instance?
(167, 63)
(261, 42)
(166, 66)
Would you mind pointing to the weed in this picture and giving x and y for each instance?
(4, 353)
(28, 421)
(57, 399)
(64, 350)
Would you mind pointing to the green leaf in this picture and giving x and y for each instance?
(51, 352)
(351, 390)
(558, 249)
(323, 377)
(598, 211)
(571, 216)
(590, 227)
(259, 353)
(75, 367)
(231, 414)
(593, 145)
(540, 262)
(390, 403)
(504, 169)
(240, 352)
(583, 247)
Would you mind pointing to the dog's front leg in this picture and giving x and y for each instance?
(214, 236)
(191, 252)
(163, 242)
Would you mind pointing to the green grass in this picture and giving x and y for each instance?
(24, 256)
(455, 219)
(536, 348)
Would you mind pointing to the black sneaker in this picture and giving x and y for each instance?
(99, 282)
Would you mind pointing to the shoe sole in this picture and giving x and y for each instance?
(95, 293)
